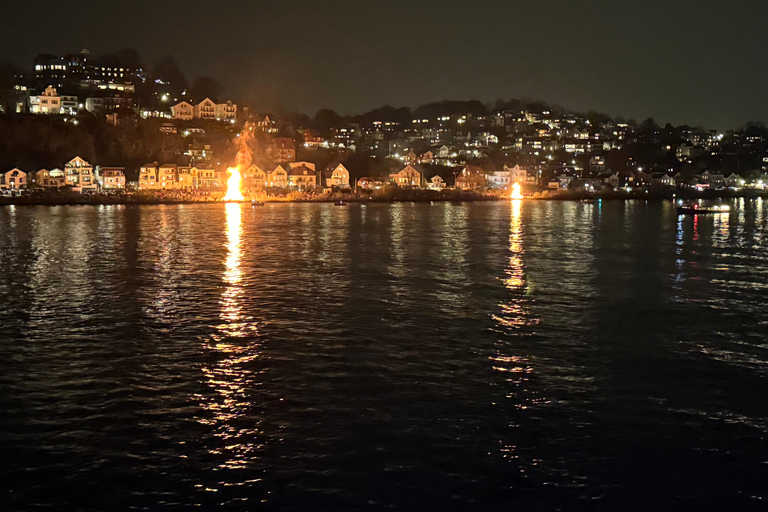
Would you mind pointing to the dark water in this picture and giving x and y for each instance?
(493, 356)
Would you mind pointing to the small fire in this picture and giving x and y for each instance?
(516, 191)
(233, 185)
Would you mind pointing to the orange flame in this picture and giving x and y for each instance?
(233, 185)
(516, 191)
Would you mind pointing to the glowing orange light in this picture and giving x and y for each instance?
(516, 191)
(233, 185)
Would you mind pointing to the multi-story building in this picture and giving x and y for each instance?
(14, 179)
(47, 179)
(407, 177)
(226, 111)
(278, 177)
(337, 177)
(302, 177)
(148, 176)
(69, 105)
(282, 149)
(186, 177)
(111, 178)
(206, 109)
(167, 177)
(183, 111)
(49, 102)
(79, 175)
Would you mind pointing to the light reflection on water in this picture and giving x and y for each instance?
(235, 346)
(454, 356)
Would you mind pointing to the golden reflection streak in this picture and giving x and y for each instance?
(514, 367)
(230, 377)
(232, 310)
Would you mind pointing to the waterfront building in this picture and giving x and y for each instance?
(436, 182)
(302, 177)
(111, 178)
(255, 177)
(186, 177)
(499, 178)
(471, 178)
(407, 177)
(278, 177)
(148, 176)
(79, 175)
(14, 179)
(208, 178)
(337, 177)
(47, 179)
(167, 177)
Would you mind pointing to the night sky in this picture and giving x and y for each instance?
(699, 62)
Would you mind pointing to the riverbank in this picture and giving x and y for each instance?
(60, 198)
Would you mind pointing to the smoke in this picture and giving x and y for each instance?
(244, 153)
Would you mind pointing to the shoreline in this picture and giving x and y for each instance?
(420, 196)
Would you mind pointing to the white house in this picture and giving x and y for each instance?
(436, 182)
(183, 111)
(226, 111)
(79, 175)
(206, 109)
(49, 102)
(499, 179)
(337, 177)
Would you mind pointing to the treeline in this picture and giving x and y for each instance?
(34, 142)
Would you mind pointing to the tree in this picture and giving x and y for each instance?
(206, 87)
(325, 119)
(130, 58)
(167, 70)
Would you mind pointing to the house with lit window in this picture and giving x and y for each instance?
(148, 176)
(111, 178)
(183, 111)
(278, 177)
(312, 139)
(436, 182)
(337, 177)
(282, 149)
(407, 177)
(47, 179)
(206, 109)
(79, 175)
(302, 177)
(14, 179)
(185, 177)
(209, 178)
(226, 111)
(167, 177)
(49, 102)
(471, 178)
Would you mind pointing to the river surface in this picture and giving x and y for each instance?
(478, 356)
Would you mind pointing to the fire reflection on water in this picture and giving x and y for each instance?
(515, 323)
(232, 377)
